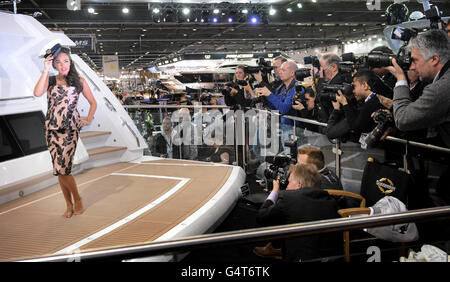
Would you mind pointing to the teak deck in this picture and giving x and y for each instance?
(124, 204)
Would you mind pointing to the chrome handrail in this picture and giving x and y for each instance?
(253, 235)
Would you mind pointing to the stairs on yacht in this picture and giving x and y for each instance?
(95, 143)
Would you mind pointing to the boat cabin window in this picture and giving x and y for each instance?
(21, 134)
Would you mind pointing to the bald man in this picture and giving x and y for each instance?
(281, 100)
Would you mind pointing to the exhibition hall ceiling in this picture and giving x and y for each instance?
(143, 33)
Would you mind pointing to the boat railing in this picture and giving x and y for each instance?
(186, 244)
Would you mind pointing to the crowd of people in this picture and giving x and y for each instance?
(413, 104)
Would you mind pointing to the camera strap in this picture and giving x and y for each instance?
(285, 91)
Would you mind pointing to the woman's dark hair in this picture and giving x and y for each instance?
(72, 78)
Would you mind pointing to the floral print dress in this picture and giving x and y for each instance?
(62, 125)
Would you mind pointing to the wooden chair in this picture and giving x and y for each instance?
(362, 209)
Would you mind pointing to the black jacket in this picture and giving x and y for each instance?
(322, 99)
(303, 205)
(359, 118)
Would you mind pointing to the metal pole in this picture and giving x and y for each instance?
(338, 157)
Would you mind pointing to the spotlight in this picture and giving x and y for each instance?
(299, 5)
(186, 11)
(215, 20)
(232, 17)
(272, 11)
(289, 10)
(254, 19)
(156, 17)
(91, 10)
(156, 11)
(125, 10)
(245, 11)
(72, 5)
(216, 11)
(204, 16)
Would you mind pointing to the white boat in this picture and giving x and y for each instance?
(129, 198)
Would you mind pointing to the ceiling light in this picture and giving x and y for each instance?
(272, 11)
(125, 10)
(186, 11)
(91, 10)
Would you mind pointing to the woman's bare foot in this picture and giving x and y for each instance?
(68, 213)
(78, 207)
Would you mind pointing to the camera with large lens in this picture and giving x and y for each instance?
(301, 74)
(227, 90)
(279, 165)
(384, 119)
(277, 170)
(299, 95)
(329, 91)
(312, 60)
(263, 66)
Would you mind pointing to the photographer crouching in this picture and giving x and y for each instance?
(302, 201)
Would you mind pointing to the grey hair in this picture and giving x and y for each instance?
(432, 42)
(331, 59)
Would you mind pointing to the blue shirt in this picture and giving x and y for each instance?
(281, 100)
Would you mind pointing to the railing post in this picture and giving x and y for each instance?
(338, 157)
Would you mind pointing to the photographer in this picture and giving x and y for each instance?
(273, 86)
(311, 155)
(281, 99)
(306, 107)
(237, 95)
(302, 201)
(430, 54)
(328, 73)
(355, 118)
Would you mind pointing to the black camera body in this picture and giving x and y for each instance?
(279, 165)
(301, 74)
(330, 90)
(277, 170)
(384, 120)
(264, 66)
(312, 60)
(299, 95)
